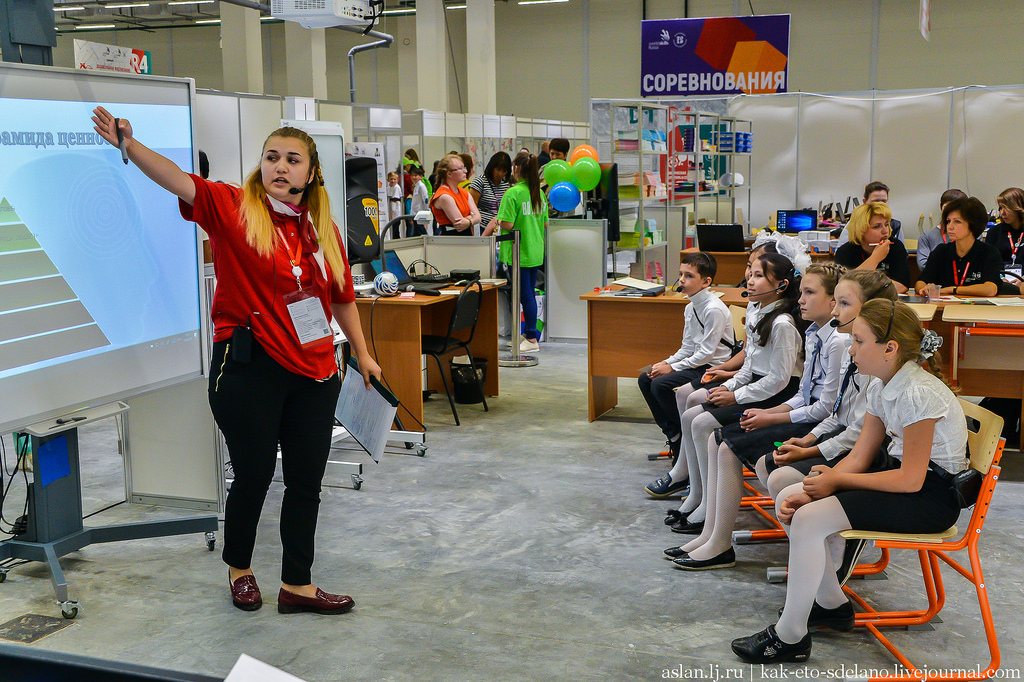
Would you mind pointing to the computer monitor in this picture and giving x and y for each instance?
(720, 237)
(797, 220)
(604, 200)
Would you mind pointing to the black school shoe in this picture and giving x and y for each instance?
(687, 528)
(766, 647)
(673, 553)
(674, 516)
(840, 619)
(726, 559)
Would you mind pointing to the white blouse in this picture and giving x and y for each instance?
(703, 345)
(912, 395)
(849, 417)
(776, 362)
(824, 378)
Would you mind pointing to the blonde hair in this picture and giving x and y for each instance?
(905, 330)
(861, 218)
(444, 166)
(255, 216)
(828, 273)
(872, 284)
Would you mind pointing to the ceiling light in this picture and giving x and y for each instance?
(270, 19)
(94, 27)
(207, 21)
(70, 8)
(398, 11)
(127, 6)
(539, 2)
(455, 7)
(190, 2)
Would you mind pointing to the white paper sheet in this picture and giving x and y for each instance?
(367, 414)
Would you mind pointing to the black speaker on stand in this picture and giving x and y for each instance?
(362, 209)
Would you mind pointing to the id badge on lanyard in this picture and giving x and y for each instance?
(308, 319)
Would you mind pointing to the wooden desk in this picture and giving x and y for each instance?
(625, 334)
(986, 350)
(394, 341)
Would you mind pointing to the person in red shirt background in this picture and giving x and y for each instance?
(281, 276)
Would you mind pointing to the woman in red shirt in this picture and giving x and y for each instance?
(453, 208)
(281, 276)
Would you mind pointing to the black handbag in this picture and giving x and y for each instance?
(966, 486)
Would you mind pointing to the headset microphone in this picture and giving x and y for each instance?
(744, 293)
(835, 323)
(297, 190)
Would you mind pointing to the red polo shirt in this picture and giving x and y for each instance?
(251, 289)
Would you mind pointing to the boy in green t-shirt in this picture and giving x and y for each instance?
(524, 208)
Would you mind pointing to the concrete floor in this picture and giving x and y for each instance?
(522, 547)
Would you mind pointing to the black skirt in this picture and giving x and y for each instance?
(731, 413)
(804, 465)
(932, 509)
(750, 446)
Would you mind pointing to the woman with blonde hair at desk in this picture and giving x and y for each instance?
(277, 255)
(872, 245)
(453, 207)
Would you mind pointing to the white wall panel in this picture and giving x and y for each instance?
(217, 134)
(911, 154)
(835, 149)
(258, 118)
(992, 158)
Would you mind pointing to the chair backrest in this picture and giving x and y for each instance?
(467, 310)
(984, 442)
(739, 316)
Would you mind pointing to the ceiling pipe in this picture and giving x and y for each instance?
(384, 40)
(251, 4)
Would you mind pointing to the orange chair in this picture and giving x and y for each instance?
(986, 447)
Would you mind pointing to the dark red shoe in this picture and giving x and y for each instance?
(245, 593)
(323, 603)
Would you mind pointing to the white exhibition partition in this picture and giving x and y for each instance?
(811, 148)
(575, 265)
(258, 116)
(219, 135)
(461, 253)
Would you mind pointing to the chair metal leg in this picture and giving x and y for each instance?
(447, 390)
(472, 364)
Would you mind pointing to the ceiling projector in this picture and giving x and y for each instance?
(323, 13)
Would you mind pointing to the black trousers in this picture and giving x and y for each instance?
(257, 405)
(662, 399)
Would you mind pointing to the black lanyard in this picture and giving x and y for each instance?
(850, 371)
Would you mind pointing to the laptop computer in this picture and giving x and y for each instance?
(720, 237)
(394, 265)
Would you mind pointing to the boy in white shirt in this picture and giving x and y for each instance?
(707, 341)
(420, 197)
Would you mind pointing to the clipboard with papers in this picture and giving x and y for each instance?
(367, 414)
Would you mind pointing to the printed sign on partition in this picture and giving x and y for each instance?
(714, 56)
(102, 57)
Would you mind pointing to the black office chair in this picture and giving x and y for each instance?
(465, 316)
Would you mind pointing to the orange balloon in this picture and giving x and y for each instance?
(584, 150)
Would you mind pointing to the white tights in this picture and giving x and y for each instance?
(812, 571)
(725, 490)
(698, 426)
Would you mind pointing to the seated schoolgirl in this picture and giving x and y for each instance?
(707, 339)
(829, 441)
(714, 376)
(744, 442)
(767, 375)
(910, 493)
(965, 266)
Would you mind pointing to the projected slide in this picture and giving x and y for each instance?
(94, 257)
(40, 316)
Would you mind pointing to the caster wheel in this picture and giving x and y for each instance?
(211, 541)
(357, 482)
(3, 576)
(69, 609)
(408, 446)
(421, 450)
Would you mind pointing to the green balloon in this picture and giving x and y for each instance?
(557, 171)
(586, 173)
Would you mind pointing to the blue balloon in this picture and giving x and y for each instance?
(564, 196)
